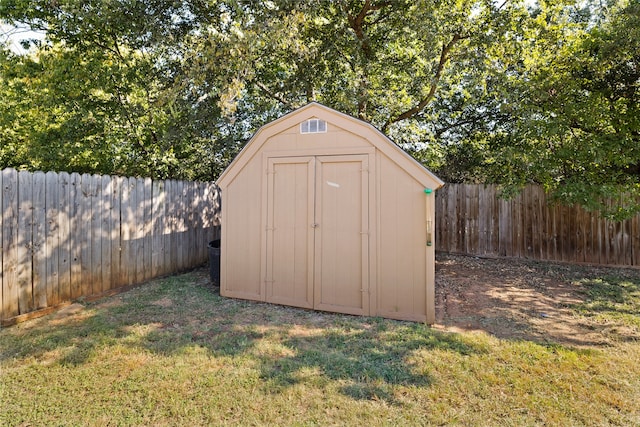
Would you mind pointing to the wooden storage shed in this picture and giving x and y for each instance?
(321, 210)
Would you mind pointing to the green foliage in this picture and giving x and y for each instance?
(477, 90)
(574, 110)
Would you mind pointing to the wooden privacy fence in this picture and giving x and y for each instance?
(472, 219)
(64, 236)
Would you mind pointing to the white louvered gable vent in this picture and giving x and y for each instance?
(313, 126)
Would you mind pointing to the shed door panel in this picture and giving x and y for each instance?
(341, 253)
(289, 256)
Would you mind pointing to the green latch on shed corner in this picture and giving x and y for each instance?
(428, 191)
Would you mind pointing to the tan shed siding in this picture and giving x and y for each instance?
(293, 140)
(402, 244)
(242, 234)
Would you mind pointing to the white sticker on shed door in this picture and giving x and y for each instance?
(341, 259)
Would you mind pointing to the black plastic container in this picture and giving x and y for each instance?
(214, 261)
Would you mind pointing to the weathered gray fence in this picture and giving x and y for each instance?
(64, 236)
(472, 219)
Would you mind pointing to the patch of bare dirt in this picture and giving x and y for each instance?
(515, 299)
(163, 302)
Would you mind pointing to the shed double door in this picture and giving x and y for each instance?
(317, 241)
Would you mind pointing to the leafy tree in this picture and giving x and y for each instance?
(182, 80)
(99, 95)
(574, 110)
(480, 91)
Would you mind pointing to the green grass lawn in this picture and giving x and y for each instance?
(173, 352)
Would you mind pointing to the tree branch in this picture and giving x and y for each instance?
(273, 95)
(444, 57)
(357, 23)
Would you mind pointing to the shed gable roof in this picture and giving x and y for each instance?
(315, 110)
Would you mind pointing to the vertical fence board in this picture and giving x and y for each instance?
(635, 240)
(169, 235)
(76, 233)
(217, 200)
(179, 221)
(545, 235)
(526, 226)
(190, 229)
(196, 225)
(517, 226)
(580, 234)
(484, 221)
(85, 241)
(561, 233)
(550, 226)
(504, 207)
(207, 220)
(589, 252)
(116, 232)
(9, 242)
(572, 250)
(52, 237)
(106, 226)
(607, 241)
(201, 210)
(147, 229)
(495, 221)
(453, 215)
(64, 237)
(157, 252)
(38, 244)
(441, 220)
(137, 245)
(440, 225)
(139, 230)
(625, 258)
(25, 241)
(97, 209)
(128, 226)
(539, 221)
(471, 228)
(597, 238)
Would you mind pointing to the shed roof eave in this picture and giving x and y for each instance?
(314, 109)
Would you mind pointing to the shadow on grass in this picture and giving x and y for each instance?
(369, 359)
(612, 300)
(365, 358)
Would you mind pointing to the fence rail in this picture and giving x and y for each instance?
(64, 236)
(472, 219)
